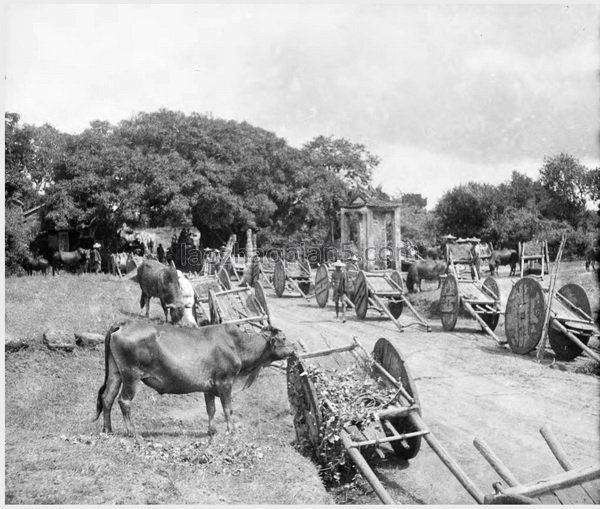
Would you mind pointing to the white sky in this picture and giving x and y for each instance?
(443, 94)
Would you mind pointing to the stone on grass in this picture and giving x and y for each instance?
(59, 340)
(12, 344)
(88, 339)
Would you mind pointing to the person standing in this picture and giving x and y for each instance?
(160, 252)
(95, 259)
(476, 264)
(338, 284)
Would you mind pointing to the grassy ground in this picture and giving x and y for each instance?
(55, 454)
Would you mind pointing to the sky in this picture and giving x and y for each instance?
(443, 94)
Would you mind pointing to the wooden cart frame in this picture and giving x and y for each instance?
(570, 321)
(382, 292)
(534, 251)
(405, 429)
(293, 276)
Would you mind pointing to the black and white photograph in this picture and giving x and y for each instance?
(301, 253)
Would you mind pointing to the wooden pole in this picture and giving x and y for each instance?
(575, 339)
(553, 276)
(447, 460)
(484, 325)
(495, 462)
(365, 469)
(559, 453)
(564, 480)
(386, 310)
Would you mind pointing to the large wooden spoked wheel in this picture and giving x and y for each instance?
(303, 400)
(386, 354)
(564, 348)
(524, 315)
(491, 319)
(322, 285)
(361, 295)
(279, 278)
(449, 302)
(259, 292)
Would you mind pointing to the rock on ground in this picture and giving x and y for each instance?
(59, 340)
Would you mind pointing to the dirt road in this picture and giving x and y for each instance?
(468, 387)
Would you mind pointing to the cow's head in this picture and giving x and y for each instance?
(279, 346)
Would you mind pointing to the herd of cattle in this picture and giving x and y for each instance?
(77, 261)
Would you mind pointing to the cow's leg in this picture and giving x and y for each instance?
(147, 306)
(224, 391)
(130, 387)
(211, 409)
(113, 384)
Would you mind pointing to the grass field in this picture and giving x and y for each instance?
(55, 454)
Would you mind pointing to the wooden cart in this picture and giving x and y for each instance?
(401, 422)
(382, 292)
(242, 306)
(571, 324)
(532, 253)
(402, 430)
(462, 289)
(293, 276)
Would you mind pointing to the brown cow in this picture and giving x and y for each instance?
(157, 280)
(178, 360)
(30, 264)
(424, 269)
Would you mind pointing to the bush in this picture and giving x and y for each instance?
(17, 238)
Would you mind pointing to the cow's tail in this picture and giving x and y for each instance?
(412, 278)
(99, 405)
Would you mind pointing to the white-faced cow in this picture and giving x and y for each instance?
(178, 360)
(158, 280)
(193, 313)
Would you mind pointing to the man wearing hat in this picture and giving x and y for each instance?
(95, 259)
(338, 284)
(476, 253)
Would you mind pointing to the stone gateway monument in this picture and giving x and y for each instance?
(370, 230)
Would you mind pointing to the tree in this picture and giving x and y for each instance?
(414, 200)
(349, 161)
(567, 183)
(468, 209)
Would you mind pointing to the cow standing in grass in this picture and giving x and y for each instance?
(74, 260)
(156, 280)
(31, 264)
(178, 360)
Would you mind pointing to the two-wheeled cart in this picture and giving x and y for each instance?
(293, 276)
(479, 299)
(571, 325)
(398, 429)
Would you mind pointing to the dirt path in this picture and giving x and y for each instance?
(468, 387)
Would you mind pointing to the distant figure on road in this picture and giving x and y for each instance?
(160, 252)
(338, 284)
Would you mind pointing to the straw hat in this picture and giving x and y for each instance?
(339, 264)
(96, 246)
